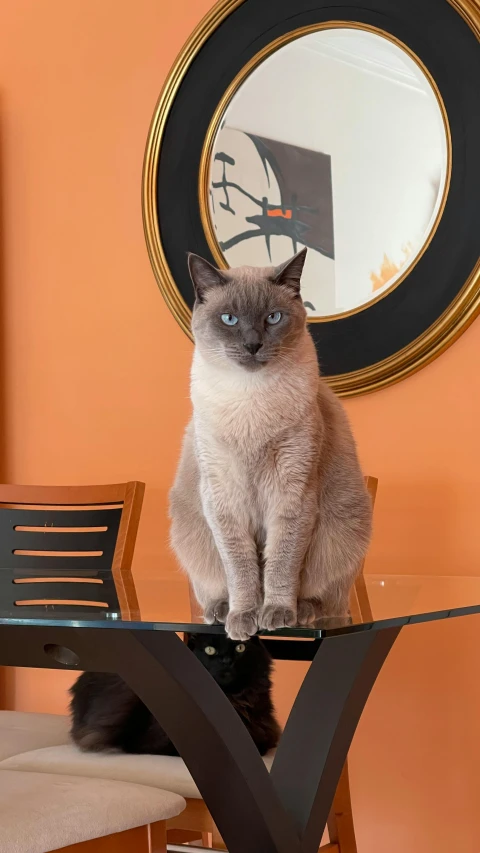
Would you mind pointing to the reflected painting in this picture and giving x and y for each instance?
(354, 167)
(297, 203)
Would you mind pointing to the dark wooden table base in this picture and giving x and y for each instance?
(256, 812)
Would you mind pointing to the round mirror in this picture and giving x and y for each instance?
(336, 141)
(287, 124)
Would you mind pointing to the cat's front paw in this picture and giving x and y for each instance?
(216, 611)
(242, 624)
(307, 611)
(274, 616)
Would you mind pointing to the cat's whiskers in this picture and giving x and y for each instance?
(224, 356)
(214, 355)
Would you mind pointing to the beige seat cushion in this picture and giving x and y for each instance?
(162, 771)
(40, 812)
(20, 732)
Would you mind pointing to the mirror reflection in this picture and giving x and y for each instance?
(337, 142)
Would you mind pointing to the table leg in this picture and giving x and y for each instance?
(311, 753)
(321, 725)
(211, 739)
(284, 812)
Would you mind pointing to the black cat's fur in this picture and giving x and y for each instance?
(107, 715)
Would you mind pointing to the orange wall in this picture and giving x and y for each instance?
(95, 388)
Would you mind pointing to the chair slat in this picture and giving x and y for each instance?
(72, 591)
(24, 540)
(13, 540)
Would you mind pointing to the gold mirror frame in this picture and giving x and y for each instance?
(417, 354)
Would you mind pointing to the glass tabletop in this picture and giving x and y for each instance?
(162, 603)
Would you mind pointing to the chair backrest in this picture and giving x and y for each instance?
(359, 602)
(64, 548)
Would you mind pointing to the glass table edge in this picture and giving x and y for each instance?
(313, 633)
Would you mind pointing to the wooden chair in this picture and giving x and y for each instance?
(64, 549)
(196, 821)
(69, 548)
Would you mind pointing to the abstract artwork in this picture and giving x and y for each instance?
(294, 200)
(305, 213)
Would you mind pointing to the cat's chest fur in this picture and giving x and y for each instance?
(240, 416)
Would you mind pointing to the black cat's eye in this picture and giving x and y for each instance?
(210, 650)
(240, 648)
(274, 318)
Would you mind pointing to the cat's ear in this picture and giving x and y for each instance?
(204, 275)
(290, 272)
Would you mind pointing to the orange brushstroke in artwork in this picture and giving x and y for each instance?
(389, 268)
(277, 211)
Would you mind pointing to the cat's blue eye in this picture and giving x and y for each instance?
(229, 319)
(240, 648)
(210, 650)
(274, 318)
